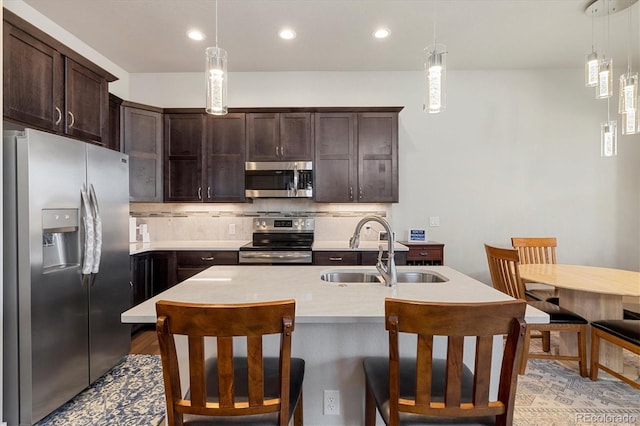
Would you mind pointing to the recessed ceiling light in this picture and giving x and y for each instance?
(381, 33)
(195, 35)
(287, 34)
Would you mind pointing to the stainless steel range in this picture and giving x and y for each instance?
(281, 240)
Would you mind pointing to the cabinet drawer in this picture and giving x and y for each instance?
(369, 258)
(186, 259)
(424, 253)
(335, 258)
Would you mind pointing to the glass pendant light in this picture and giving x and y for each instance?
(628, 105)
(630, 123)
(608, 139)
(605, 78)
(435, 70)
(216, 77)
(435, 75)
(591, 62)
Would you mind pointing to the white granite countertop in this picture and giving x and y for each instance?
(318, 301)
(137, 248)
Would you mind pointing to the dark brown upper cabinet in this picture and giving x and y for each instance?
(224, 156)
(183, 139)
(50, 87)
(142, 128)
(204, 157)
(279, 136)
(356, 156)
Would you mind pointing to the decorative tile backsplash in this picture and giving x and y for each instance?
(193, 221)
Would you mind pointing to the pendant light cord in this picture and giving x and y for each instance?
(607, 47)
(216, 24)
(629, 41)
(593, 44)
(435, 14)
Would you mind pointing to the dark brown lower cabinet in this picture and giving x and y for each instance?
(427, 253)
(189, 263)
(163, 271)
(350, 258)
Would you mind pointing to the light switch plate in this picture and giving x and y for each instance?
(434, 221)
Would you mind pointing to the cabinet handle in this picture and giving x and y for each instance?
(208, 259)
(73, 119)
(282, 152)
(199, 193)
(351, 192)
(360, 194)
(424, 253)
(277, 155)
(59, 119)
(335, 259)
(208, 192)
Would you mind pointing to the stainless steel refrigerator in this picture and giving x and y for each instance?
(66, 269)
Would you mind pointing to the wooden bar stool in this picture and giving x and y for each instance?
(227, 389)
(427, 390)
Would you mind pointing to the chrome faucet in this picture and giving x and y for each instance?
(388, 270)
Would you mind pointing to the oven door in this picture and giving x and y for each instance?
(274, 257)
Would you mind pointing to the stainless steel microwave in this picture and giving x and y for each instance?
(278, 179)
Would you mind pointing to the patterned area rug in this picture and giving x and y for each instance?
(550, 394)
(131, 394)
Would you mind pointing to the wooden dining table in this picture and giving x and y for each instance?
(593, 292)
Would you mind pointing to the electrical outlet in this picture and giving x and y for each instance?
(232, 229)
(331, 403)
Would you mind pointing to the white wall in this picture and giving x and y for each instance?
(515, 153)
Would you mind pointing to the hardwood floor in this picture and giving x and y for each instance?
(145, 342)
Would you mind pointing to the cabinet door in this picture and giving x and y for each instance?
(32, 80)
(224, 152)
(163, 271)
(378, 157)
(263, 134)
(113, 136)
(142, 140)
(336, 158)
(183, 138)
(296, 141)
(140, 282)
(87, 103)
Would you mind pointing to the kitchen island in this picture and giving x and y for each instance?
(337, 324)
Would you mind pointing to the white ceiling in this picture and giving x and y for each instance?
(335, 35)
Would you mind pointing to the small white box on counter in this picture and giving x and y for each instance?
(133, 235)
(417, 234)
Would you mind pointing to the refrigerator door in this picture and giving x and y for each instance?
(110, 290)
(52, 302)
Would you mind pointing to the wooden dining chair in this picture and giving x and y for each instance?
(537, 250)
(505, 275)
(228, 389)
(623, 333)
(428, 390)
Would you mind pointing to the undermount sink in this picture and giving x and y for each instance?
(351, 277)
(374, 277)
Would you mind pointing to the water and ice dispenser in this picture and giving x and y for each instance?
(60, 240)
